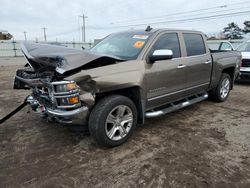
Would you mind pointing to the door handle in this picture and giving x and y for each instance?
(208, 62)
(181, 66)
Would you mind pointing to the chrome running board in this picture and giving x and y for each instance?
(177, 105)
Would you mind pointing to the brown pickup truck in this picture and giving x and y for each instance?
(125, 78)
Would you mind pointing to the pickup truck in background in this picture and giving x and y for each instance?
(125, 78)
(244, 48)
(220, 45)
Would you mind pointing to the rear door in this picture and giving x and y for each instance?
(165, 81)
(198, 63)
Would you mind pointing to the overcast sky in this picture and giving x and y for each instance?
(61, 17)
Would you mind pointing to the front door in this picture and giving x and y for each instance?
(165, 79)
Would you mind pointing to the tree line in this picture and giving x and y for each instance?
(233, 31)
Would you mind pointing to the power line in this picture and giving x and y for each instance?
(188, 19)
(210, 12)
(183, 12)
(176, 20)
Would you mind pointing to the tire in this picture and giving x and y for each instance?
(220, 95)
(108, 125)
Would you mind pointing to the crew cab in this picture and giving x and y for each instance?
(125, 78)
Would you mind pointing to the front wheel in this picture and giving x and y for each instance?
(221, 92)
(113, 120)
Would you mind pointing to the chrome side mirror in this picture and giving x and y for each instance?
(162, 54)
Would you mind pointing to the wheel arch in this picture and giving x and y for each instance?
(230, 71)
(135, 94)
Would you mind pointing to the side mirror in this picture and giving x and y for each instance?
(159, 55)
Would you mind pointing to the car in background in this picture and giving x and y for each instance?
(220, 45)
(244, 48)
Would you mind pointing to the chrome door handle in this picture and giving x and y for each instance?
(181, 66)
(208, 62)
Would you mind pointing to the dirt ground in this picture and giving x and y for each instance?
(205, 145)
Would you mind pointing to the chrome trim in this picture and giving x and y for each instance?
(65, 114)
(68, 92)
(57, 95)
(208, 62)
(66, 96)
(165, 95)
(163, 52)
(181, 66)
(69, 106)
(62, 82)
(176, 107)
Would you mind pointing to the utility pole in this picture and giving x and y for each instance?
(44, 33)
(83, 27)
(25, 37)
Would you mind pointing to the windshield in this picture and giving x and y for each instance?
(123, 45)
(244, 47)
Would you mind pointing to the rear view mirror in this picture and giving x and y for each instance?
(159, 55)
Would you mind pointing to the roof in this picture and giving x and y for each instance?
(142, 31)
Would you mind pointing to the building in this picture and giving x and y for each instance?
(4, 35)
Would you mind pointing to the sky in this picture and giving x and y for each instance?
(61, 17)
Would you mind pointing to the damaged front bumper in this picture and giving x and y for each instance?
(78, 115)
(58, 101)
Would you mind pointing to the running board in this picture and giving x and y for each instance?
(177, 105)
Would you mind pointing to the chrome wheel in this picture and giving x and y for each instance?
(225, 88)
(119, 122)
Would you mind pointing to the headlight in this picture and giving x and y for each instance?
(65, 87)
(65, 94)
(67, 101)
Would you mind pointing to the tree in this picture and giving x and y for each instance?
(247, 26)
(233, 31)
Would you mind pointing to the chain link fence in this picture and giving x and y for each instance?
(12, 48)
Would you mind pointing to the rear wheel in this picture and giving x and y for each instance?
(221, 93)
(113, 120)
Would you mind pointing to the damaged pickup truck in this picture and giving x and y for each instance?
(127, 77)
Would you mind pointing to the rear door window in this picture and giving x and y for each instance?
(225, 46)
(169, 41)
(194, 44)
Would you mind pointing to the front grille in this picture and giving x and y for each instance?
(245, 63)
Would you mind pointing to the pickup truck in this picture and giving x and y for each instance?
(220, 45)
(125, 78)
(244, 48)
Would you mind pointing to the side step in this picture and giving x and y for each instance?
(177, 105)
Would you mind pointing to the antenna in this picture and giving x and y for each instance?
(148, 28)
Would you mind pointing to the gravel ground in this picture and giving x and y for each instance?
(205, 145)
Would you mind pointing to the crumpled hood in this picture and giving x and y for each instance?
(63, 59)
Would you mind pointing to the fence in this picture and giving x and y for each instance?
(12, 48)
